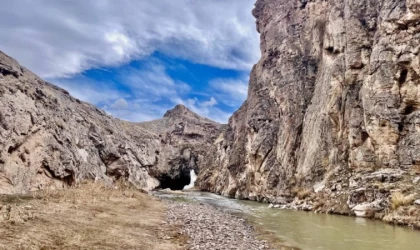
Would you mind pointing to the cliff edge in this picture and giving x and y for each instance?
(331, 122)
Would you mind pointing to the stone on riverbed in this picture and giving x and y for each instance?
(365, 209)
(211, 228)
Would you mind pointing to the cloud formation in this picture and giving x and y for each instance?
(147, 92)
(231, 92)
(62, 41)
(62, 38)
(120, 104)
(209, 103)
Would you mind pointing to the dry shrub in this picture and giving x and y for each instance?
(301, 193)
(415, 169)
(15, 214)
(124, 185)
(87, 191)
(319, 204)
(398, 199)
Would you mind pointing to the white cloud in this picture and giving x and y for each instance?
(209, 103)
(155, 92)
(91, 91)
(232, 92)
(120, 104)
(153, 83)
(212, 112)
(59, 40)
(122, 45)
(138, 111)
(151, 93)
(63, 38)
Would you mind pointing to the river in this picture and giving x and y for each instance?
(307, 230)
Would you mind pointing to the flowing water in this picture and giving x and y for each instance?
(307, 230)
(193, 179)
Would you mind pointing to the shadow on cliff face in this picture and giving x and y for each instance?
(179, 170)
(175, 183)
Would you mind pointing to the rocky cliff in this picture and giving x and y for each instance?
(332, 118)
(331, 122)
(49, 139)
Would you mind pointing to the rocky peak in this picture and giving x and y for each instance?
(180, 111)
(49, 139)
(187, 133)
(8, 65)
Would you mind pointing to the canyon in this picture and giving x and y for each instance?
(331, 119)
(48, 139)
(330, 124)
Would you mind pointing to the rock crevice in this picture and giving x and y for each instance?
(334, 98)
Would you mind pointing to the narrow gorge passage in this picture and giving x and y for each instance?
(184, 180)
(177, 183)
(238, 115)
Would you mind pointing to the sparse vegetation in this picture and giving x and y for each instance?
(301, 193)
(91, 216)
(415, 169)
(325, 161)
(319, 204)
(399, 199)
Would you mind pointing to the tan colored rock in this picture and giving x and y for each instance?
(334, 98)
(49, 139)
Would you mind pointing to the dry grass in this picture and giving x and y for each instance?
(415, 169)
(405, 216)
(91, 216)
(398, 199)
(302, 193)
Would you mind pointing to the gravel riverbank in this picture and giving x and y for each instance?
(212, 229)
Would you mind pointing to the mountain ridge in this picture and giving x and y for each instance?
(49, 139)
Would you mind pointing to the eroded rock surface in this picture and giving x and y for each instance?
(331, 122)
(333, 107)
(49, 139)
(188, 137)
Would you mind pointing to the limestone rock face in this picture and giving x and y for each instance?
(333, 105)
(187, 137)
(49, 139)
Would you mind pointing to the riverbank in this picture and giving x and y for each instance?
(210, 228)
(295, 229)
(399, 209)
(88, 217)
(92, 216)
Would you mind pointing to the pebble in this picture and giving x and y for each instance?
(211, 228)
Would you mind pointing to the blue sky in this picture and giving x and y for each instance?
(138, 58)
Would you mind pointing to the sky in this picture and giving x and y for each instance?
(136, 59)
